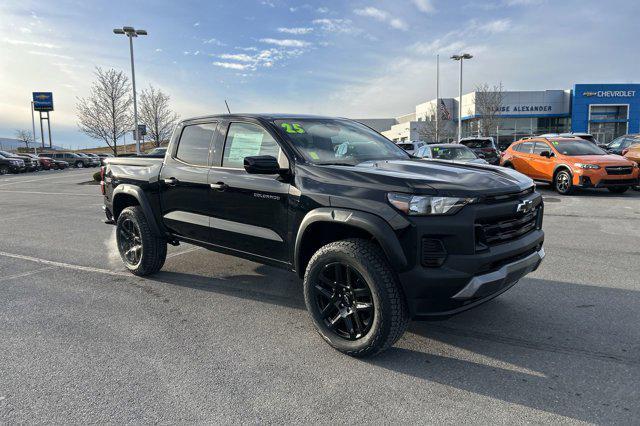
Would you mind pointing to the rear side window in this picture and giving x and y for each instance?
(247, 140)
(193, 147)
(477, 143)
(525, 147)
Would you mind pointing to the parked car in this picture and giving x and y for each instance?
(71, 158)
(449, 152)
(103, 156)
(28, 165)
(410, 146)
(484, 147)
(11, 164)
(59, 164)
(618, 145)
(157, 152)
(586, 136)
(376, 236)
(32, 164)
(569, 163)
(93, 161)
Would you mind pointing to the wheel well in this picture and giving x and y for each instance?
(319, 234)
(121, 202)
(558, 169)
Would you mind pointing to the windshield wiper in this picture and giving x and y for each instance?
(334, 164)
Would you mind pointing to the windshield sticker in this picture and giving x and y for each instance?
(555, 143)
(314, 155)
(245, 145)
(292, 128)
(436, 149)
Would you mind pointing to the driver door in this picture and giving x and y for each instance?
(541, 167)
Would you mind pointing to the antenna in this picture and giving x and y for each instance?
(228, 110)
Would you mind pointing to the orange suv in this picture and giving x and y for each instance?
(569, 163)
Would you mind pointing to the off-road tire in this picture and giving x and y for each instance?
(618, 189)
(154, 248)
(391, 315)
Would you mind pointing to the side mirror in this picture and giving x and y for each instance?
(481, 156)
(546, 154)
(262, 165)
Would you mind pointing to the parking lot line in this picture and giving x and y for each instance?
(26, 274)
(49, 193)
(65, 265)
(49, 178)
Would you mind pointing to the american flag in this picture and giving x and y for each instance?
(446, 115)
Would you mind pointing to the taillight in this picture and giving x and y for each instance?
(102, 180)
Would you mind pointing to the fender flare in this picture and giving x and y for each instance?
(368, 222)
(140, 196)
(562, 166)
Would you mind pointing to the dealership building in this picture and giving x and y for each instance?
(604, 110)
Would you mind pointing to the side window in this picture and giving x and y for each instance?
(540, 147)
(193, 147)
(246, 140)
(616, 142)
(526, 147)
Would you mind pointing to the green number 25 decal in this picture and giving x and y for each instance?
(295, 128)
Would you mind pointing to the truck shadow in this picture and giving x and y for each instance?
(532, 346)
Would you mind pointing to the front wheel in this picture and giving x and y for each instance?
(563, 183)
(79, 164)
(354, 298)
(142, 252)
(618, 189)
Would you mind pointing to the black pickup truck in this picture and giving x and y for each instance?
(378, 237)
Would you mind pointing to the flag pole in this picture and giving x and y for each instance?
(437, 94)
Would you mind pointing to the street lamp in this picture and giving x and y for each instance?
(460, 58)
(131, 33)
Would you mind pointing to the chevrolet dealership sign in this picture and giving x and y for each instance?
(610, 94)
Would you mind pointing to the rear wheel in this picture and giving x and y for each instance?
(4, 170)
(354, 298)
(618, 189)
(142, 252)
(562, 182)
(79, 164)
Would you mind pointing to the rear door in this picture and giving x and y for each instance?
(250, 211)
(184, 186)
(522, 156)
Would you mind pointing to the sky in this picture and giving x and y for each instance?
(358, 59)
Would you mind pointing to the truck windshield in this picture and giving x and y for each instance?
(331, 141)
(576, 147)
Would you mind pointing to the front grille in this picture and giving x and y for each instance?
(496, 231)
(619, 170)
(506, 197)
(606, 182)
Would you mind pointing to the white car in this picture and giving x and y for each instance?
(411, 146)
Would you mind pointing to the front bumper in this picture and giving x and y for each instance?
(601, 179)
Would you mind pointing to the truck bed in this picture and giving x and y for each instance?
(134, 169)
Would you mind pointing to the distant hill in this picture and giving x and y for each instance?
(10, 144)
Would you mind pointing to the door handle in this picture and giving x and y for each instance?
(220, 186)
(171, 181)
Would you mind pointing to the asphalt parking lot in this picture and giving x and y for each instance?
(215, 338)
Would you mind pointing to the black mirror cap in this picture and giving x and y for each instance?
(545, 154)
(262, 165)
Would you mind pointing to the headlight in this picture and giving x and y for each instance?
(587, 166)
(427, 205)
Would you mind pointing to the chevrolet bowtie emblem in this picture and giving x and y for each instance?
(524, 207)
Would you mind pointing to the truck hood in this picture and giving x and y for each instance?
(424, 177)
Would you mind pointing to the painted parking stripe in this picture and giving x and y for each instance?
(26, 274)
(65, 265)
(50, 193)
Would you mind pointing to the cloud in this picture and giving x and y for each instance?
(295, 30)
(372, 12)
(158, 50)
(523, 2)
(231, 65)
(25, 30)
(267, 3)
(285, 42)
(322, 9)
(337, 25)
(425, 6)
(497, 26)
(241, 57)
(382, 16)
(196, 24)
(31, 43)
(213, 41)
(52, 55)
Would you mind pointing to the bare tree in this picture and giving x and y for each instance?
(24, 136)
(157, 115)
(105, 114)
(488, 101)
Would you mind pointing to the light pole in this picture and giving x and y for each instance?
(131, 33)
(460, 58)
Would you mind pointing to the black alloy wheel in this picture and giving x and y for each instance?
(344, 301)
(129, 242)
